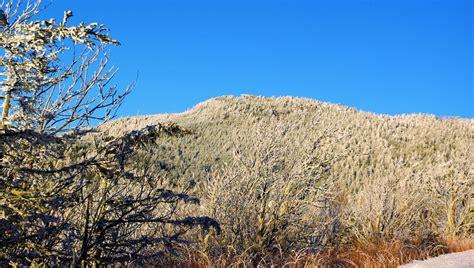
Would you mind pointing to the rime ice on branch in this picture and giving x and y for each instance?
(55, 76)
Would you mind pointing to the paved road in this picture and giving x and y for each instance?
(463, 259)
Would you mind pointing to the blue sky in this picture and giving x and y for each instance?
(384, 56)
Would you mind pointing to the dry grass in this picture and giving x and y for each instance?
(458, 245)
(389, 254)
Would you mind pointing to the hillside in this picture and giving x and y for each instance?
(298, 173)
(375, 143)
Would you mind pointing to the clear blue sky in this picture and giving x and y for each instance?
(385, 56)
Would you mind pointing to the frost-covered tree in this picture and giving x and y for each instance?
(71, 197)
(55, 75)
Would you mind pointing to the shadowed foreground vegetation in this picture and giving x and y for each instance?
(295, 180)
(68, 198)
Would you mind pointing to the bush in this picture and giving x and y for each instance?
(74, 200)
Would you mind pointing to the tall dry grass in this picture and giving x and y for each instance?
(389, 254)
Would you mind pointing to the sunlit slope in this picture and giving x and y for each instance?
(363, 144)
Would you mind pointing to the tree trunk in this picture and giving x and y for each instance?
(6, 110)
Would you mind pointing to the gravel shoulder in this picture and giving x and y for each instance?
(463, 259)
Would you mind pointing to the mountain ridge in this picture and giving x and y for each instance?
(224, 125)
(242, 103)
